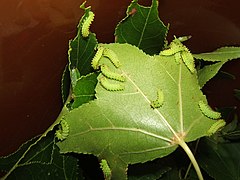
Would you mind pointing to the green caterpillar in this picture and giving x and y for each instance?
(188, 60)
(159, 101)
(216, 126)
(111, 75)
(63, 130)
(106, 169)
(86, 24)
(111, 86)
(97, 57)
(112, 57)
(207, 111)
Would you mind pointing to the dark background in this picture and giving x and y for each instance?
(34, 39)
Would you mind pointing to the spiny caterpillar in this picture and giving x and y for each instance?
(188, 60)
(159, 101)
(207, 111)
(97, 57)
(216, 126)
(106, 169)
(111, 75)
(110, 86)
(86, 24)
(112, 57)
(63, 130)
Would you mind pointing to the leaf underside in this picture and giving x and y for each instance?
(123, 128)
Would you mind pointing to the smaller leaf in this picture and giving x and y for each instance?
(82, 49)
(226, 154)
(84, 90)
(42, 161)
(208, 72)
(143, 28)
(222, 54)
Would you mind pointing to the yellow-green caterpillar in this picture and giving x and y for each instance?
(97, 57)
(112, 57)
(216, 126)
(111, 86)
(111, 75)
(188, 60)
(63, 130)
(86, 24)
(106, 169)
(159, 101)
(207, 111)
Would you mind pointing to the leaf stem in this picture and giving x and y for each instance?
(192, 158)
(190, 164)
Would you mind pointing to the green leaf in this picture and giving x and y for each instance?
(208, 72)
(7, 162)
(222, 54)
(84, 91)
(82, 49)
(65, 84)
(143, 28)
(220, 159)
(123, 128)
(43, 161)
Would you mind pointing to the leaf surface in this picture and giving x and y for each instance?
(122, 127)
(143, 28)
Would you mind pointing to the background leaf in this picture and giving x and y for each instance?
(208, 72)
(84, 91)
(226, 154)
(82, 49)
(221, 54)
(123, 128)
(42, 161)
(143, 28)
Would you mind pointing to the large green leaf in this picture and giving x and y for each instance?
(123, 128)
(143, 28)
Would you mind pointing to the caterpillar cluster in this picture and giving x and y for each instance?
(106, 72)
(63, 130)
(86, 24)
(207, 111)
(106, 169)
(181, 53)
(159, 101)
